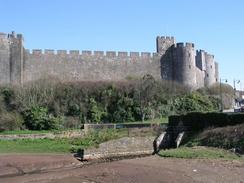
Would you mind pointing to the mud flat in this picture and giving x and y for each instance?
(66, 169)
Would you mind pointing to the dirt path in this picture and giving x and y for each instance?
(143, 170)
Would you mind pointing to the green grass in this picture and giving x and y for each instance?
(199, 152)
(59, 145)
(35, 146)
(20, 132)
(152, 121)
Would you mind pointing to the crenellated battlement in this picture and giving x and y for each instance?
(4, 41)
(166, 38)
(13, 35)
(179, 45)
(89, 53)
(49, 52)
(61, 52)
(190, 45)
(98, 53)
(184, 45)
(86, 53)
(122, 54)
(209, 56)
(19, 36)
(3, 35)
(200, 52)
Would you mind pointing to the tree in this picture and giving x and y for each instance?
(144, 95)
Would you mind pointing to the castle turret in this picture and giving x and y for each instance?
(164, 43)
(184, 69)
(4, 59)
(210, 76)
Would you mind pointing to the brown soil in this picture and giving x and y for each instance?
(65, 169)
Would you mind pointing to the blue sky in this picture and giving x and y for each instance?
(131, 25)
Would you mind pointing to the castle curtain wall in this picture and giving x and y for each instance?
(175, 62)
(90, 66)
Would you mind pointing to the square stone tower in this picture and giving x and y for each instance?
(4, 59)
(11, 58)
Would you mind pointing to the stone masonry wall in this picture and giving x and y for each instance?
(89, 66)
(200, 78)
(125, 146)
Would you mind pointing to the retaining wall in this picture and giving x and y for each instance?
(125, 146)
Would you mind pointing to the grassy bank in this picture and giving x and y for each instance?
(211, 143)
(200, 153)
(163, 120)
(35, 146)
(228, 137)
(59, 145)
(25, 132)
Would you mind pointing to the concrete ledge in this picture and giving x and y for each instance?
(116, 155)
(126, 146)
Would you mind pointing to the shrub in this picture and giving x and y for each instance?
(194, 102)
(73, 109)
(10, 121)
(96, 112)
(72, 122)
(9, 98)
(37, 118)
(103, 102)
(223, 137)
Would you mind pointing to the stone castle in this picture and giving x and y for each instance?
(173, 61)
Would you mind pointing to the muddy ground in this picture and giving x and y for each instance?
(66, 169)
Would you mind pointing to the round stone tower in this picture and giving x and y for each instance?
(210, 76)
(184, 65)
